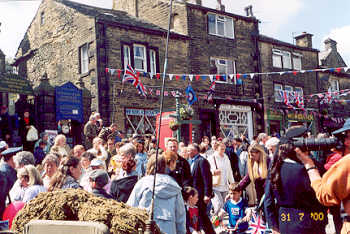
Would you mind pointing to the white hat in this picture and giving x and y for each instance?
(273, 141)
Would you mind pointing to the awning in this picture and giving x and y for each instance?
(11, 83)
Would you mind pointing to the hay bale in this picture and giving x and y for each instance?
(73, 204)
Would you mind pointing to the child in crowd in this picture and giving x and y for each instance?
(236, 208)
(190, 196)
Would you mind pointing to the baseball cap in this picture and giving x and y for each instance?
(96, 163)
(99, 176)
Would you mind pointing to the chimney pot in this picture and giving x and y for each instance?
(304, 40)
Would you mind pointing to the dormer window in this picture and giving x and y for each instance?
(220, 25)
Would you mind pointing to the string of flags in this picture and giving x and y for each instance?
(237, 78)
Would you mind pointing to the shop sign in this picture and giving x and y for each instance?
(151, 112)
(224, 107)
(69, 102)
(12, 83)
(300, 116)
(274, 115)
(138, 112)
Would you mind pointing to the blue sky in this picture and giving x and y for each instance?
(279, 19)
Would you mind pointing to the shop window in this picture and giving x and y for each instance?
(84, 58)
(299, 91)
(220, 25)
(140, 121)
(334, 86)
(278, 88)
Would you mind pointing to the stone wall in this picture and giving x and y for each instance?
(55, 47)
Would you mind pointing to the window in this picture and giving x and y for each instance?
(277, 58)
(278, 88)
(297, 61)
(224, 66)
(281, 59)
(126, 54)
(140, 61)
(334, 86)
(140, 121)
(152, 61)
(42, 18)
(299, 91)
(220, 25)
(287, 63)
(84, 59)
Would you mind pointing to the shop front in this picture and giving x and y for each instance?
(235, 120)
(140, 121)
(275, 122)
(300, 118)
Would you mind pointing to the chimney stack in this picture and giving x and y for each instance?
(220, 6)
(249, 11)
(330, 44)
(304, 40)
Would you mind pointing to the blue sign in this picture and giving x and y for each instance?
(69, 102)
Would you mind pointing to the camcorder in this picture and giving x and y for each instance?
(294, 136)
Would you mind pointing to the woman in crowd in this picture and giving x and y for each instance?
(60, 146)
(220, 166)
(141, 158)
(85, 162)
(169, 210)
(257, 166)
(31, 179)
(66, 175)
(50, 164)
(121, 188)
(24, 126)
(170, 159)
(299, 211)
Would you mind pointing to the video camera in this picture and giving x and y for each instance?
(294, 136)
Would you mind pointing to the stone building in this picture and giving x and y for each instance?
(220, 43)
(74, 42)
(334, 84)
(283, 58)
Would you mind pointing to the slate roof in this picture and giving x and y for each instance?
(283, 43)
(113, 16)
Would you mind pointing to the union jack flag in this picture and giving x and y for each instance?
(256, 224)
(131, 77)
(211, 92)
(286, 98)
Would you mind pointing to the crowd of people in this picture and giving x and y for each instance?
(195, 184)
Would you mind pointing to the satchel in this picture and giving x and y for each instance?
(32, 134)
(216, 178)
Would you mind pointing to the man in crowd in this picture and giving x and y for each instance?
(90, 132)
(8, 174)
(98, 179)
(230, 152)
(5, 125)
(182, 172)
(106, 132)
(202, 181)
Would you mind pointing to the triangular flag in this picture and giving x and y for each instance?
(158, 76)
(107, 70)
(112, 71)
(171, 76)
(151, 75)
(302, 71)
(231, 76)
(217, 77)
(252, 75)
(338, 69)
(295, 73)
(166, 93)
(157, 92)
(197, 77)
(211, 78)
(204, 77)
(238, 75)
(184, 77)
(177, 77)
(191, 77)
(119, 72)
(245, 76)
(281, 73)
(235, 79)
(173, 93)
(150, 91)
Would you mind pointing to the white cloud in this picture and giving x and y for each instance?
(273, 14)
(341, 36)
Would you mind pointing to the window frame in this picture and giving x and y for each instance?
(128, 55)
(84, 60)
(223, 19)
(137, 57)
(152, 66)
(276, 53)
(286, 54)
(332, 86)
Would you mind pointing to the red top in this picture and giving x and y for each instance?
(26, 120)
(193, 212)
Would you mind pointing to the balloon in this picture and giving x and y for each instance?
(11, 211)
